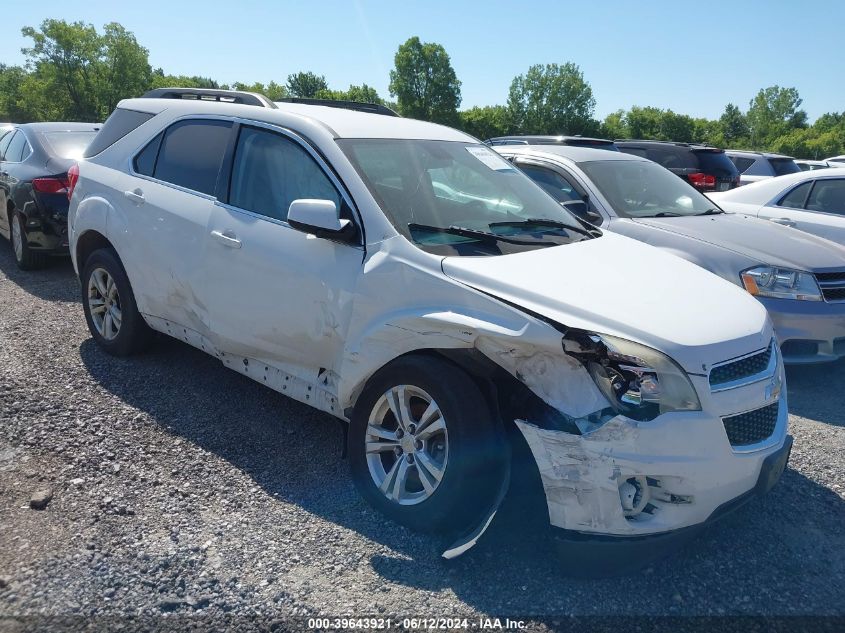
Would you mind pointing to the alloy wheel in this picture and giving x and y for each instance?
(104, 304)
(17, 237)
(407, 445)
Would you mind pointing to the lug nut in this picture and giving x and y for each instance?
(397, 451)
(412, 429)
(399, 433)
(410, 458)
(418, 445)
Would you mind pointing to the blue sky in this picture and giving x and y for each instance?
(692, 57)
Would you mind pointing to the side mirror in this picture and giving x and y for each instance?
(321, 218)
(581, 209)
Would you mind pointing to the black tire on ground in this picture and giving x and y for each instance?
(26, 258)
(477, 448)
(134, 335)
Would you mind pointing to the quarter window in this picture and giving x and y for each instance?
(796, 198)
(145, 161)
(742, 164)
(4, 143)
(270, 171)
(15, 150)
(191, 153)
(828, 196)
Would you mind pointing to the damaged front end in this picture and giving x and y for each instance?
(630, 452)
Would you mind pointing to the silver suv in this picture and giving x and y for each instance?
(754, 166)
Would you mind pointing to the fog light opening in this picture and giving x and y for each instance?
(634, 495)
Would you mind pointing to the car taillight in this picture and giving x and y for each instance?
(50, 185)
(702, 181)
(73, 178)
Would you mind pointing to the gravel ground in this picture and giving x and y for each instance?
(182, 488)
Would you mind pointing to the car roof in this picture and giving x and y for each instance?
(572, 152)
(341, 123)
(628, 142)
(762, 191)
(546, 139)
(59, 126)
(750, 153)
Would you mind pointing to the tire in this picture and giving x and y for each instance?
(25, 257)
(107, 294)
(469, 455)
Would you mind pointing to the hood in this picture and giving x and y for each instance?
(762, 241)
(614, 285)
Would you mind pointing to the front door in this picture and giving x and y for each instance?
(275, 293)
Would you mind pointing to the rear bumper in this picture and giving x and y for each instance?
(808, 331)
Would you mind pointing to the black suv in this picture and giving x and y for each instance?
(705, 168)
(574, 141)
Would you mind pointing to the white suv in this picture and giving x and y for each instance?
(404, 278)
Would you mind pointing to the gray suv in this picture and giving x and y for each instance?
(754, 166)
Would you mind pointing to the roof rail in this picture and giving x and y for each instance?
(359, 106)
(209, 94)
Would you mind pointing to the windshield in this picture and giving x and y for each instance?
(643, 189)
(458, 198)
(69, 144)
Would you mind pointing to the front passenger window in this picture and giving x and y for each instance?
(270, 171)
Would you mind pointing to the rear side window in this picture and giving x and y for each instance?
(828, 196)
(783, 166)
(796, 198)
(119, 124)
(742, 164)
(15, 150)
(271, 171)
(69, 144)
(4, 143)
(191, 153)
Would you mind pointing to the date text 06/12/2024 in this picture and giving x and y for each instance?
(416, 624)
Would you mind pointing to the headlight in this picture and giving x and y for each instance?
(639, 381)
(781, 283)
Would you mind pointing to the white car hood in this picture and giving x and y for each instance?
(616, 285)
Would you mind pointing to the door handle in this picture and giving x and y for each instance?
(226, 238)
(783, 221)
(136, 196)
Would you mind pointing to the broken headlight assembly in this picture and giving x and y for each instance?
(781, 283)
(638, 381)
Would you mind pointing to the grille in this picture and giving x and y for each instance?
(751, 427)
(739, 369)
(832, 285)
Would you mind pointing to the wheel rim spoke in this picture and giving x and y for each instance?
(433, 428)
(398, 401)
(428, 467)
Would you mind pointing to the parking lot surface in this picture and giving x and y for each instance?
(179, 487)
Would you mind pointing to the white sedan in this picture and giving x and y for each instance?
(811, 201)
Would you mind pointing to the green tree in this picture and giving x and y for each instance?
(306, 84)
(486, 122)
(66, 61)
(773, 112)
(125, 70)
(614, 125)
(272, 91)
(552, 99)
(734, 125)
(644, 122)
(424, 82)
(361, 94)
(12, 105)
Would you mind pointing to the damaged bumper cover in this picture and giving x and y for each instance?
(631, 478)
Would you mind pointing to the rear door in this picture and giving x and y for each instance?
(167, 202)
(815, 206)
(276, 294)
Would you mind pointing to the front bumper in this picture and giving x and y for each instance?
(684, 460)
(808, 331)
(600, 555)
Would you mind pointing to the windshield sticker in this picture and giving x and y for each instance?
(490, 158)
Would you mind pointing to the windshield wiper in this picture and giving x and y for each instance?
(483, 236)
(713, 211)
(663, 214)
(546, 222)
